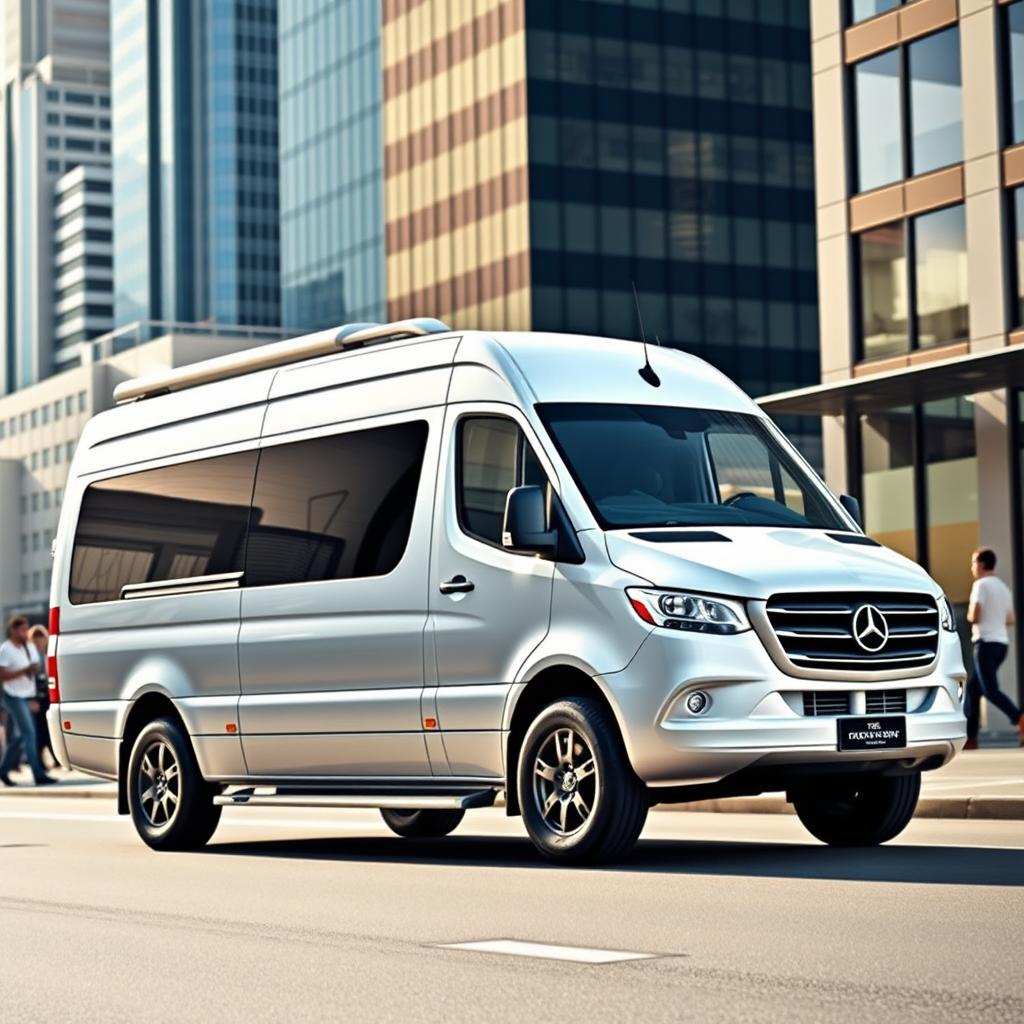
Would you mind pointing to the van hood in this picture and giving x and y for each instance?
(756, 562)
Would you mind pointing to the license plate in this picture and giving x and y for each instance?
(872, 733)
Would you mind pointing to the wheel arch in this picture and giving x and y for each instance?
(144, 709)
(553, 683)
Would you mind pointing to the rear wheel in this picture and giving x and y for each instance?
(424, 824)
(171, 804)
(580, 799)
(860, 812)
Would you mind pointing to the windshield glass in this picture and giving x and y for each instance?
(642, 465)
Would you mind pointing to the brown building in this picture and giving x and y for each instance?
(919, 166)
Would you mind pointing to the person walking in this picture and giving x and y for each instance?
(18, 671)
(39, 638)
(989, 612)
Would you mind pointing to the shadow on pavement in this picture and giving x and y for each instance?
(932, 865)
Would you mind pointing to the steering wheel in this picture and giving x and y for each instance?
(736, 497)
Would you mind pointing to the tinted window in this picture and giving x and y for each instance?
(334, 507)
(879, 124)
(666, 466)
(935, 102)
(161, 524)
(493, 458)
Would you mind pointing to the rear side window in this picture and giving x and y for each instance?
(336, 507)
(494, 457)
(162, 524)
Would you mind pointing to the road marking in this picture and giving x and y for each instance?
(577, 954)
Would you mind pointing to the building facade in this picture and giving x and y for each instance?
(195, 161)
(40, 426)
(920, 224)
(55, 114)
(332, 163)
(539, 159)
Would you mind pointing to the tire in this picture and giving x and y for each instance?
(171, 804)
(572, 817)
(860, 812)
(422, 824)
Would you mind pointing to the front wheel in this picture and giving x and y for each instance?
(425, 824)
(580, 799)
(171, 803)
(860, 812)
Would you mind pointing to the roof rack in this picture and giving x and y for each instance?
(278, 353)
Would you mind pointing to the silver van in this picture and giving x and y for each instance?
(404, 567)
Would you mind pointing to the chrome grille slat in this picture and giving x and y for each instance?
(812, 632)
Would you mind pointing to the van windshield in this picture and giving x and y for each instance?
(642, 465)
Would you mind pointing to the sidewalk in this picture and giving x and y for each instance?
(977, 784)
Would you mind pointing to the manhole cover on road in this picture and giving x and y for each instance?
(576, 954)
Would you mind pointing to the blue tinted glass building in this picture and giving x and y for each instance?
(670, 145)
(332, 162)
(195, 161)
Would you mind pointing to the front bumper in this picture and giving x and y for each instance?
(756, 714)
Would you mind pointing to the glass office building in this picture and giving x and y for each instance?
(195, 161)
(332, 162)
(919, 214)
(530, 161)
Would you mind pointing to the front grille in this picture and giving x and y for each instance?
(826, 703)
(886, 702)
(817, 631)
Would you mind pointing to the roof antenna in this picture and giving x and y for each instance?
(646, 371)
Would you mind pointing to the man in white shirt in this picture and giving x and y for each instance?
(18, 671)
(990, 611)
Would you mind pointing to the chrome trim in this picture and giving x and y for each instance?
(185, 585)
(758, 613)
(396, 801)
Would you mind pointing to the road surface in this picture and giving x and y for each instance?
(309, 915)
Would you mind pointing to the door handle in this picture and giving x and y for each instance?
(456, 585)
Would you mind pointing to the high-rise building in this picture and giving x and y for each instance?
(195, 161)
(919, 146)
(83, 287)
(55, 116)
(332, 163)
(540, 158)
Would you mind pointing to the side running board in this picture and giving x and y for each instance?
(396, 801)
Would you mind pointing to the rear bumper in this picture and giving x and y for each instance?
(756, 719)
(57, 744)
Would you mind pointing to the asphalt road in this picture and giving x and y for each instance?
(302, 915)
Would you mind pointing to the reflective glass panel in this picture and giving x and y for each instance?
(887, 481)
(936, 115)
(883, 286)
(951, 474)
(1015, 33)
(879, 122)
(861, 10)
(940, 275)
(1018, 249)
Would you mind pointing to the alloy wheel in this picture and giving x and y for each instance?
(566, 784)
(159, 784)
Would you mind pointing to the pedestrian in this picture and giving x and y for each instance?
(39, 638)
(989, 612)
(18, 671)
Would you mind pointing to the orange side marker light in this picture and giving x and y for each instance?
(429, 723)
(231, 727)
(67, 725)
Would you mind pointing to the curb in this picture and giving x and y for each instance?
(992, 808)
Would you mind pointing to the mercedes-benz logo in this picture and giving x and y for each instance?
(870, 629)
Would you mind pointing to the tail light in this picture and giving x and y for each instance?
(51, 657)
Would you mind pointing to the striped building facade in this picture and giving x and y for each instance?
(455, 161)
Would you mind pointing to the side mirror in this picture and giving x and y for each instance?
(852, 507)
(525, 528)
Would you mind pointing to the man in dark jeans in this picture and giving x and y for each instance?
(990, 611)
(18, 669)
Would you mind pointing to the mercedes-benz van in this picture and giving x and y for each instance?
(404, 567)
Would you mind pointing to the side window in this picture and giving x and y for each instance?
(161, 524)
(336, 507)
(493, 457)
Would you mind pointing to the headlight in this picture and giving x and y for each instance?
(946, 617)
(695, 613)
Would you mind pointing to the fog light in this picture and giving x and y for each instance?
(698, 702)
(960, 691)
